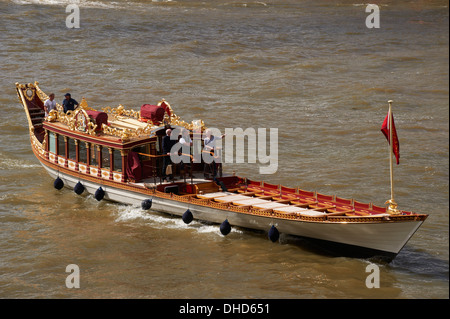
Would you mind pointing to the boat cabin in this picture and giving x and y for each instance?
(115, 143)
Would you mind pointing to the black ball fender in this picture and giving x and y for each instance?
(274, 234)
(99, 194)
(146, 204)
(58, 183)
(78, 188)
(225, 227)
(187, 217)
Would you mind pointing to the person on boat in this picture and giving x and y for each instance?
(69, 104)
(167, 144)
(49, 104)
(185, 138)
(186, 143)
(210, 146)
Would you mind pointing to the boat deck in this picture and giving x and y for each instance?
(265, 199)
(261, 197)
(154, 182)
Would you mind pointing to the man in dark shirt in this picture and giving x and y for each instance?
(69, 104)
(167, 144)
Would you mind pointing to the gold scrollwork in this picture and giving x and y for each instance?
(44, 142)
(124, 134)
(70, 118)
(91, 127)
(52, 116)
(121, 111)
(143, 131)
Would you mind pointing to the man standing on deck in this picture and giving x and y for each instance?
(186, 144)
(214, 151)
(50, 104)
(167, 144)
(69, 104)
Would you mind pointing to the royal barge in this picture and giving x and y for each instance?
(116, 154)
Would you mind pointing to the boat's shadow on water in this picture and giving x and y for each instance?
(409, 260)
(418, 262)
(335, 250)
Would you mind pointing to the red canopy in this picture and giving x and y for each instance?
(154, 113)
(99, 118)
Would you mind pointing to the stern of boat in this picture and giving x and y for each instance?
(32, 99)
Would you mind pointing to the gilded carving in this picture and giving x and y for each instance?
(84, 105)
(123, 134)
(52, 116)
(78, 120)
(29, 94)
(121, 111)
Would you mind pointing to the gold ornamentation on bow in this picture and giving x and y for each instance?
(392, 207)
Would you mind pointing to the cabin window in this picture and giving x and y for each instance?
(72, 149)
(157, 144)
(105, 158)
(117, 161)
(94, 161)
(83, 152)
(61, 146)
(52, 142)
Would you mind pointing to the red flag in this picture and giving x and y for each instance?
(385, 130)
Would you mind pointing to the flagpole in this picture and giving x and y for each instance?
(392, 208)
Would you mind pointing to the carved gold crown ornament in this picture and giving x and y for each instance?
(84, 105)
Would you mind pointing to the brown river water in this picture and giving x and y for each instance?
(312, 69)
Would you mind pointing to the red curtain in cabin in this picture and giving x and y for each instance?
(134, 169)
